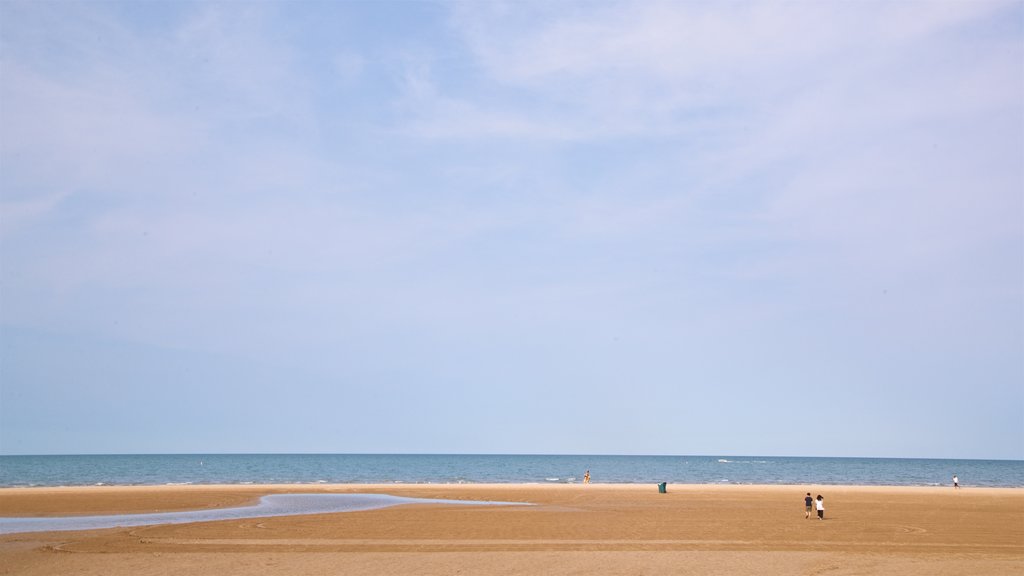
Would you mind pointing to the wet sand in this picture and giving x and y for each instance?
(571, 529)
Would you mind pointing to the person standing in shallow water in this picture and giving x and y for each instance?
(820, 502)
(808, 504)
(956, 481)
(586, 477)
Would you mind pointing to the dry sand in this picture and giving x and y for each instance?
(572, 529)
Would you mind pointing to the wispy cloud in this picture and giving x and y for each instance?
(807, 99)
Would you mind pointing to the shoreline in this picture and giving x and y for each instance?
(55, 501)
(278, 485)
(456, 485)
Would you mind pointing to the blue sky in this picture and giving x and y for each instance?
(637, 228)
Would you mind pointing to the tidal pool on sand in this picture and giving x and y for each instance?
(268, 506)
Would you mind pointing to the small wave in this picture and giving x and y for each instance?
(100, 484)
(552, 479)
(177, 484)
(724, 461)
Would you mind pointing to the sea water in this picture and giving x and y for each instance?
(163, 469)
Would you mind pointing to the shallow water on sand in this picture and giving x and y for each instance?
(268, 506)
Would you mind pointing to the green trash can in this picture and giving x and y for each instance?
(661, 488)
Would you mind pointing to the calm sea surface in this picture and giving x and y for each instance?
(452, 469)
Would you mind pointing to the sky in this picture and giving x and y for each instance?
(735, 228)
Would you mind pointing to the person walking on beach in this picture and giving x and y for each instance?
(956, 481)
(821, 507)
(808, 504)
(586, 477)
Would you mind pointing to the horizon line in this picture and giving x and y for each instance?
(525, 454)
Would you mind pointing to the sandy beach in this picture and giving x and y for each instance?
(570, 529)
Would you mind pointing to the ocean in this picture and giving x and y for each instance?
(166, 469)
